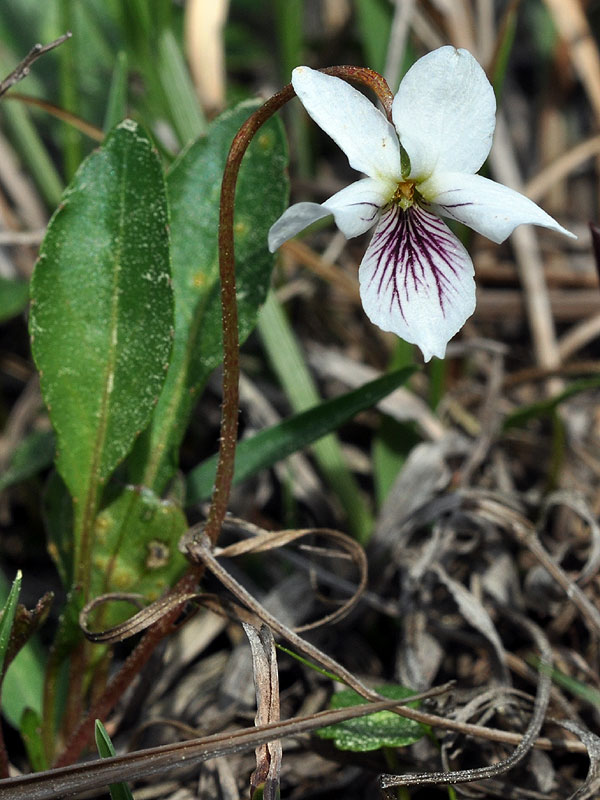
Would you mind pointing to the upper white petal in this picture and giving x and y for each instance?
(293, 220)
(488, 207)
(352, 121)
(444, 113)
(416, 279)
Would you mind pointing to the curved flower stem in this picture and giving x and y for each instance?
(83, 734)
(229, 410)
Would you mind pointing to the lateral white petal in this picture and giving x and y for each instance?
(444, 113)
(356, 208)
(352, 121)
(488, 207)
(416, 279)
(293, 220)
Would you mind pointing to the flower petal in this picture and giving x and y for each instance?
(356, 208)
(293, 220)
(352, 121)
(444, 113)
(488, 207)
(416, 279)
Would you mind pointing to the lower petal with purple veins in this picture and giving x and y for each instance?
(416, 279)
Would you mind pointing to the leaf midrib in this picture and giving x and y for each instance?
(83, 563)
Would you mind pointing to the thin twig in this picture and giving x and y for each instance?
(22, 69)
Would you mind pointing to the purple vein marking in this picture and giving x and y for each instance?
(374, 212)
(413, 249)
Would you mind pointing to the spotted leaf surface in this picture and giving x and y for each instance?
(102, 309)
(135, 550)
(382, 729)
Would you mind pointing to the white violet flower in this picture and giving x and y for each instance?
(416, 278)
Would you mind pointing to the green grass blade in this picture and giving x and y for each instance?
(545, 407)
(275, 443)
(33, 454)
(33, 151)
(8, 616)
(506, 38)
(581, 690)
(116, 108)
(69, 90)
(118, 791)
(13, 297)
(186, 114)
(30, 727)
(374, 24)
(289, 365)
(22, 684)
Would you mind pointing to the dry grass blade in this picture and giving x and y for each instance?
(475, 614)
(138, 622)
(527, 254)
(491, 419)
(29, 210)
(459, 22)
(201, 549)
(538, 186)
(266, 681)
(97, 134)
(525, 533)
(204, 22)
(578, 505)
(403, 12)
(579, 336)
(325, 269)
(574, 28)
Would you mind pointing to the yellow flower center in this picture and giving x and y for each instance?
(404, 194)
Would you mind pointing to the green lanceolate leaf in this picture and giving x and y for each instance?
(135, 550)
(194, 185)
(271, 445)
(381, 729)
(102, 313)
